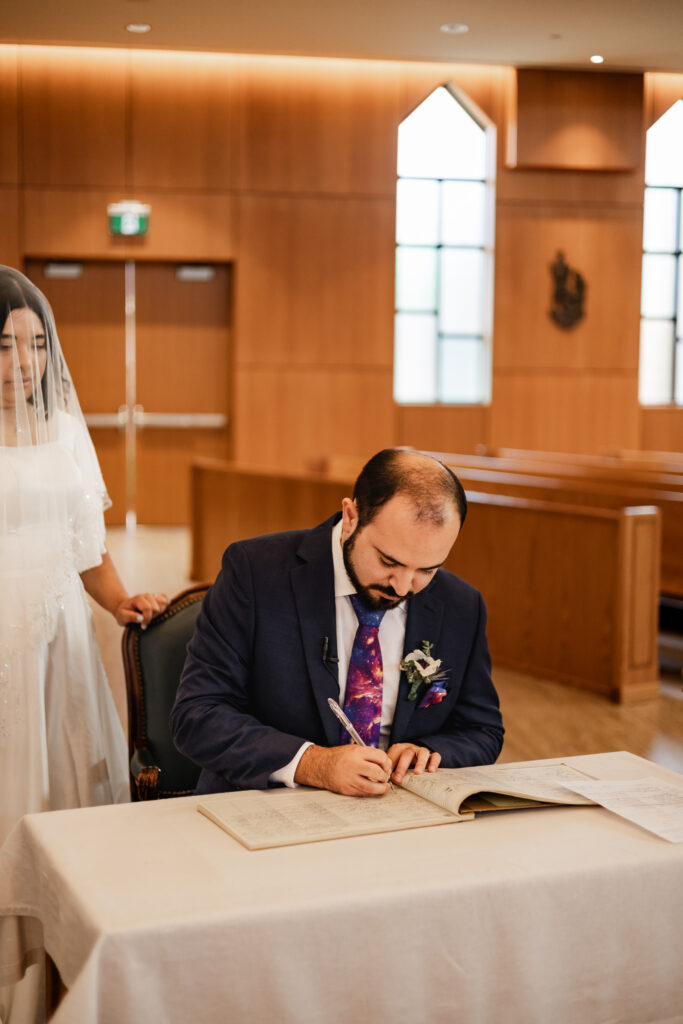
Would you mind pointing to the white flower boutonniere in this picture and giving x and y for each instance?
(420, 667)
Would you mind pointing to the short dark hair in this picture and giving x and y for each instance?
(431, 485)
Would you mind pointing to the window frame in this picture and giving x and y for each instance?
(487, 247)
(676, 319)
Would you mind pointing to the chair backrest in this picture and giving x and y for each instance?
(153, 660)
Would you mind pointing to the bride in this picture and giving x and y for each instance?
(60, 740)
(61, 743)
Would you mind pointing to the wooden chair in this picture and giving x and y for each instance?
(153, 660)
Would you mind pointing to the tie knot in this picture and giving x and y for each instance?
(366, 616)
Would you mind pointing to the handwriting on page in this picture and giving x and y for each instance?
(301, 816)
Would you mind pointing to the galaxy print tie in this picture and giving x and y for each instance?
(363, 702)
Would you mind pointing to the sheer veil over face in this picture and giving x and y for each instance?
(34, 380)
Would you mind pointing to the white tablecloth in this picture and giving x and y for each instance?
(552, 916)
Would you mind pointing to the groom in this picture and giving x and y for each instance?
(359, 610)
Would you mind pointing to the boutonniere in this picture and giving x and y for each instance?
(420, 667)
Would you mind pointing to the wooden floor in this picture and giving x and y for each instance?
(542, 718)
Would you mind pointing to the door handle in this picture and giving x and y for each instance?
(182, 420)
(141, 419)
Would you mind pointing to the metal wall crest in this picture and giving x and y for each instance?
(569, 289)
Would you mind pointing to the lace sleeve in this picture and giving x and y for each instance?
(87, 521)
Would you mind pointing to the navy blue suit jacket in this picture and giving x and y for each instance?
(255, 685)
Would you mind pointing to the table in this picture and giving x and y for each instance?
(551, 916)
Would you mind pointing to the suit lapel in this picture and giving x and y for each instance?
(425, 613)
(313, 586)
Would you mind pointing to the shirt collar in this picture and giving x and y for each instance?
(343, 586)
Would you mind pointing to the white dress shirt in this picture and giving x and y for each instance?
(391, 639)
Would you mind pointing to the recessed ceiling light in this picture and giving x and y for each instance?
(138, 29)
(597, 59)
(454, 29)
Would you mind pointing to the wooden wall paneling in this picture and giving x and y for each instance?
(9, 115)
(183, 340)
(231, 503)
(581, 120)
(564, 412)
(459, 428)
(71, 224)
(10, 249)
(90, 317)
(577, 187)
(291, 417)
(164, 458)
(186, 226)
(182, 120)
(315, 281)
(73, 116)
(555, 185)
(315, 125)
(661, 92)
(183, 226)
(330, 127)
(661, 429)
(604, 245)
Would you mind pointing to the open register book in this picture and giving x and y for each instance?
(262, 819)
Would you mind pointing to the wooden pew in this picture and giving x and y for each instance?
(586, 468)
(658, 462)
(231, 502)
(528, 478)
(571, 591)
(602, 494)
(641, 475)
(510, 460)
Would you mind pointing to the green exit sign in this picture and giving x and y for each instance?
(128, 218)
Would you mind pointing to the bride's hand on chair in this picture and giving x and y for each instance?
(140, 608)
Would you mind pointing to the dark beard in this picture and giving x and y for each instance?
(370, 600)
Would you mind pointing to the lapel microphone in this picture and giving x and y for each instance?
(326, 644)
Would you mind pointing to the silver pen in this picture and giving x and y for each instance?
(350, 729)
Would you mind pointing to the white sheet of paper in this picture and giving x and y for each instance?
(651, 803)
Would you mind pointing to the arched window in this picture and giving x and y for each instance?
(444, 252)
(661, 300)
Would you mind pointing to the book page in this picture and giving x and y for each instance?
(261, 819)
(652, 803)
(534, 784)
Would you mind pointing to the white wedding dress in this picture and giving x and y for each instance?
(61, 742)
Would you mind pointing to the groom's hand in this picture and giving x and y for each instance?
(408, 755)
(350, 770)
